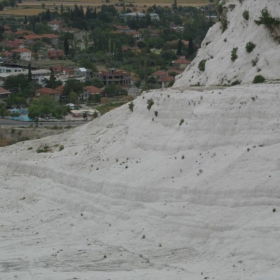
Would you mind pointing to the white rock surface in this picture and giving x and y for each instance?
(217, 47)
(138, 196)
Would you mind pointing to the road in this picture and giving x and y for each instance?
(6, 122)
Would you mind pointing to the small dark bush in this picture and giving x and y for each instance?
(235, 83)
(250, 46)
(258, 79)
(201, 65)
(43, 149)
(267, 19)
(255, 61)
(181, 121)
(156, 113)
(130, 106)
(246, 15)
(150, 103)
(234, 54)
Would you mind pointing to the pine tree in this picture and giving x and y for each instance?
(29, 73)
(61, 10)
(179, 48)
(190, 48)
(174, 5)
(66, 46)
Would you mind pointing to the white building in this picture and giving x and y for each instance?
(154, 16)
(5, 69)
(36, 74)
(22, 53)
(55, 25)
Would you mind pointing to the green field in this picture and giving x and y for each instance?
(50, 63)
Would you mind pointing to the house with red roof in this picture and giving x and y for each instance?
(92, 90)
(89, 92)
(15, 44)
(4, 94)
(49, 92)
(56, 54)
(181, 62)
(166, 81)
(60, 89)
(22, 53)
(23, 32)
(29, 39)
(63, 70)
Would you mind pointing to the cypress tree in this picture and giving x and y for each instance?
(66, 46)
(190, 48)
(29, 73)
(179, 48)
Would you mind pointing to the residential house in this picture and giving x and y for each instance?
(55, 25)
(159, 74)
(177, 28)
(154, 16)
(78, 34)
(60, 89)
(90, 91)
(83, 72)
(121, 78)
(56, 54)
(15, 44)
(89, 113)
(49, 92)
(36, 74)
(23, 32)
(22, 53)
(123, 28)
(63, 70)
(53, 39)
(30, 39)
(135, 15)
(4, 94)
(181, 62)
(6, 69)
(165, 81)
(5, 54)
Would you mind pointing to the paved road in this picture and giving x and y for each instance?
(6, 122)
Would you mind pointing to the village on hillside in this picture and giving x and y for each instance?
(82, 61)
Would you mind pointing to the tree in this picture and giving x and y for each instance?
(179, 47)
(52, 82)
(95, 82)
(73, 85)
(13, 83)
(174, 5)
(73, 97)
(66, 46)
(3, 110)
(29, 73)
(190, 47)
(61, 10)
(46, 106)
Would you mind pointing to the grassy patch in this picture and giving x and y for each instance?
(103, 109)
(50, 63)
